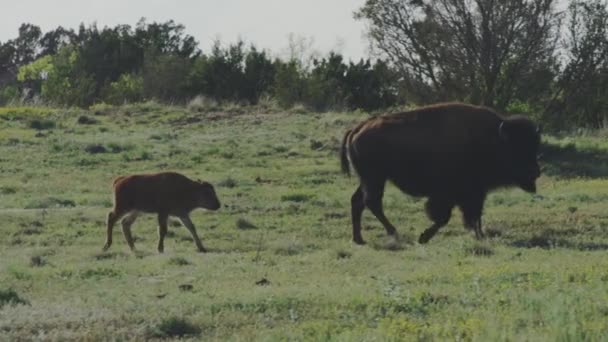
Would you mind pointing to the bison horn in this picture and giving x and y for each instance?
(501, 131)
(538, 129)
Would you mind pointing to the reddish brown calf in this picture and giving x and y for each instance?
(166, 194)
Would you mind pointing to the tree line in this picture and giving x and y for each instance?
(529, 56)
(160, 61)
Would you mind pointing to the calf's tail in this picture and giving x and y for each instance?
(117, 179)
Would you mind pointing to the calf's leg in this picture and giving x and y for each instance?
(113, 217)
(162, 231)
(126, 228)
(439, 211)
(188, 224)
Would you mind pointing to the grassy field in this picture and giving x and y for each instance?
(281, 265)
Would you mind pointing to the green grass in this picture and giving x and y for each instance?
(281, 265)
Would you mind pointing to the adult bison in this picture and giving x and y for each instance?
(452, 153)
(165, 193)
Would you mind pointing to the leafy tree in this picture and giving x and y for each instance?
(581, 97)
(259, 72)
(165, 76)
(128, 88)
(289, 83)
(475, 50)
(370, 87)
(325, 86)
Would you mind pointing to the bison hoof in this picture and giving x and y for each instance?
(424, 238)
(106, 247)
(202, 250)
(359, 241)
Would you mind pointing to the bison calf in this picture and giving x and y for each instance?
(166, 194)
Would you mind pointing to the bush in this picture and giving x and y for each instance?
(41, 124)
(10, 297)
(128, 88)
(175, 327)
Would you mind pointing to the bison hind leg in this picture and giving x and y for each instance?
(440, 212)
(357, 207)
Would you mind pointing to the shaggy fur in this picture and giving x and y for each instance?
(451, 153)
(166, 194)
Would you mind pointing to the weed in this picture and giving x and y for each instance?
(95, 148)
(296, 197)
(8, 190)
(244, 224)
(480, 249)
(179, 261)
(41, 124)
(10, 297)
(86, 120)
(228, 182)
(175, 327)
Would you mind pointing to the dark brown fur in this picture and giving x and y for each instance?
(166, 194)
(451, 153)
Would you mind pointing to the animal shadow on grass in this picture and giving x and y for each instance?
(570, 161)
(551, 238)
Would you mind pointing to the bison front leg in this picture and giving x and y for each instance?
(439, 211)
(162, 231)
(190, 226)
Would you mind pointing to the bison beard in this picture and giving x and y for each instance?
(453, 154)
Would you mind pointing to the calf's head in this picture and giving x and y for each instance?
(521, 139)
(206, 196)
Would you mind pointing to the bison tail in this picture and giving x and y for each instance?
(344, 152)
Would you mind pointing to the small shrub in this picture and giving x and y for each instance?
(99, 273)
(344, 254)
(316, 145)
(117, 148)
(37, 261)
(479, 249)
(41, 124)
(297, 197)
(175, 327)
(95, 148)
(10, 297)
(244, 224)
(86, 120)
(179, 261)
(281, 149)
(7, 190)
(227, 183)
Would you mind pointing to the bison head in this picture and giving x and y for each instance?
(207, 198)
(521, 141)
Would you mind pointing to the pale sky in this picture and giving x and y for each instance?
(266, 23)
